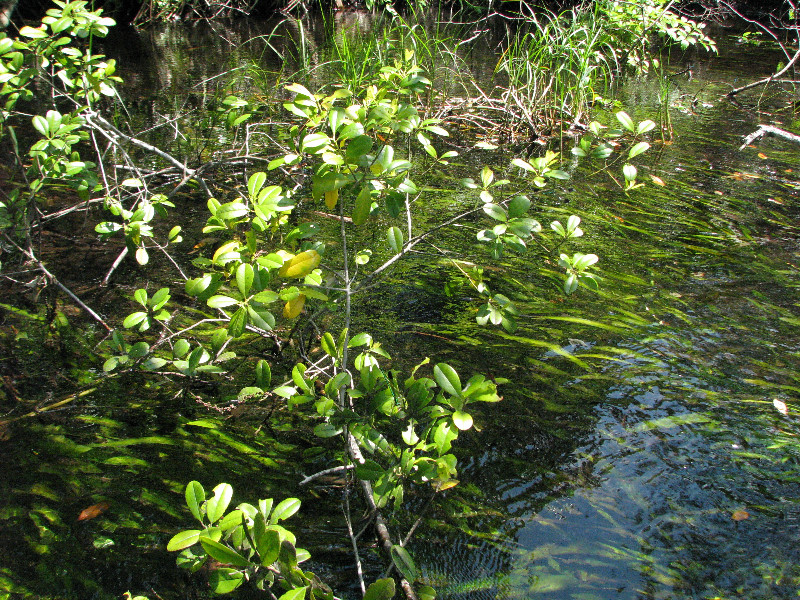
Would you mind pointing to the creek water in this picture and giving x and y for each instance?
(647, 443)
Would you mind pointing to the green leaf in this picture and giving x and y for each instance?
(329, 345)
(195, 494)
(629, 172)
(140, 296)
(638, 149)
(426, 592)
(284, 510)
(40, 124)
(238, 323)
(447, 379)
(179, 350)
(487, 177)
(361, 339)
(645, 126)
(625, 120)
(295, 594)
(395, 238)
(369, 470)
(134, 319)
(30, 32)
(159, 299)
(255, 183)
(518, 162)
(327, 430)
(244, 278)
(495, 211)
(231, 211)
(195, 287)
(382, 589)
(404, 563)
(184, 539)
(263, 374)
(518, 206)
(462, 420)
(313, 143)
(224, 580)
(363, 203)
(268, 543)
(299, 90)
(218, 504)
(221, 301)
(222, 553)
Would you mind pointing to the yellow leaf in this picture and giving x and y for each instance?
(331, 198)
(300, 265)
(657, 180)
(294, 307)
(740, 515)
(762, 155)
(446, 485)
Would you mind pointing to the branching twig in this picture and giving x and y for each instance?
(764, 130)
(339, 469)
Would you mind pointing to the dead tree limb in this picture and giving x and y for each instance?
(769, 129)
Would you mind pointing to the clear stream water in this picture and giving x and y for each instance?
(641, 449)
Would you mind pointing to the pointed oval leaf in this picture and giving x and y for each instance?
(404, 563)
(518, 162)
(495, 211)
(255, 183)
(183, 540)
(195, 494)
(284, 510)
(447, 379)
(218, 504)
(134, 319)
(300, 265)
(221, 301)
(140, 296)
(645, 126)
(638, 149)
(363, 203)
(263, 374)
(244, 278)
(222, 553)
(294, 307)
(518, 206)
(195, 287)
(395, 238)
(329, 345)
(295, 594)
(268, 544)
(625, 120)
(238, 323)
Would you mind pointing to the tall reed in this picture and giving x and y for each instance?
(554, 69)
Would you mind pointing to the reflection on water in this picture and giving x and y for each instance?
(666, 470)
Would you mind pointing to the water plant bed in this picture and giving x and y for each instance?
(552, 354)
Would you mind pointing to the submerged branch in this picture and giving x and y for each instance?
(339, 469)
(769, 129)
(766, 80)
(53, 279)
